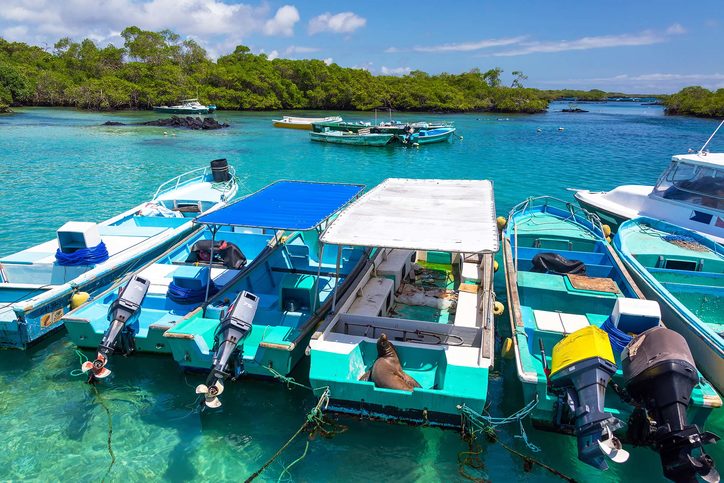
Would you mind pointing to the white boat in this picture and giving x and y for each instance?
(291, 122)
(690, 194)
(187, 106)
(37, 284)
(429, 289)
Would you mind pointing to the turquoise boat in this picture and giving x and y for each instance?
(573, 307)
(37, 283)
(428, 291)
(177, 283)
(428, 136)
(684, 272)
(344, 126)
(352, 139)
(292, 287)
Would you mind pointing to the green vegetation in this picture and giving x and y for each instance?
(155, 68)
(696, 101)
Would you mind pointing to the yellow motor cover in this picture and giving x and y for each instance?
(582, 344)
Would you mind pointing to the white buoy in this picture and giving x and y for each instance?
(539, 130)
(560, 129)
(165, 133)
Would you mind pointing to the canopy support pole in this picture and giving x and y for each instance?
(319, 274)
(214, 229)
(336, 279)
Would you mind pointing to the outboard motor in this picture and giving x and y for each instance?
(660, 375)
(122, 314)
(220, 170)
(582, 364)
(234, 328)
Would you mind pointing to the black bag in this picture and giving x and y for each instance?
(553, 263)
(224, 252)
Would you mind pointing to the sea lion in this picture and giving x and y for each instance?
(386, 371)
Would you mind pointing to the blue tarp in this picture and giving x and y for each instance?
(285, 205)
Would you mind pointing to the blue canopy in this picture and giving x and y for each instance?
(285, 205)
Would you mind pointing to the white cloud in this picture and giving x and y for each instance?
(653, 82)
(274, 54)
(299, 49)
(462, 46)
(676, 29)
(584, 43)
(218, 25)
(283, 21)
(328, 60)
(394, 70)
(341, 23)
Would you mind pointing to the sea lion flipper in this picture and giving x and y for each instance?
(408, 379)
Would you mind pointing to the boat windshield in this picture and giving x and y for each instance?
(691, 183)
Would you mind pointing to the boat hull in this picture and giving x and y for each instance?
(290, 125)
(43, 319)
(372, 140)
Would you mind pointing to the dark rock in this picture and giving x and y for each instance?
(188, 122)
(575, 109)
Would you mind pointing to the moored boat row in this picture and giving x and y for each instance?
(390, 295)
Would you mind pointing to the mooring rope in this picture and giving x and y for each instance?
(484, 424)
(314, 419)
(102, 402)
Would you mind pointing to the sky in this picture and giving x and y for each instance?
(634, 46)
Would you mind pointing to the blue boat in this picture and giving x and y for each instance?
(684, 272)
(177, 282)
(428, 136)
(37, 284)
(292, 283)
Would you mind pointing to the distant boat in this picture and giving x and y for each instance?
(429, 136)
(684, 272)
(36, 284)
(355, 139)
(340, 126)
(290, 122)
(187, 106)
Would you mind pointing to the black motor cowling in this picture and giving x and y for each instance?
(220, 170)
(660, 375)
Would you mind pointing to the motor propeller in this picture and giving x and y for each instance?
(122, 314)
(211, 393)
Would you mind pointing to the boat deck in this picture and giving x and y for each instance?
(690, 271)
(87, 324)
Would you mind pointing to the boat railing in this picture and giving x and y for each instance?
(576, 214)
(195, 175)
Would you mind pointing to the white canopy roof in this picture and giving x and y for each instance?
(713, 160)
(420, 214)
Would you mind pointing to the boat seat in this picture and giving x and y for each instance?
(559, 321)
(467, 312)
(374, 299)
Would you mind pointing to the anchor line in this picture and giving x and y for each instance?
(103, 404)
(474, 423)
(314, 422)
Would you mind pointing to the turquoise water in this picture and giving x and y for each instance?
(59, 165)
